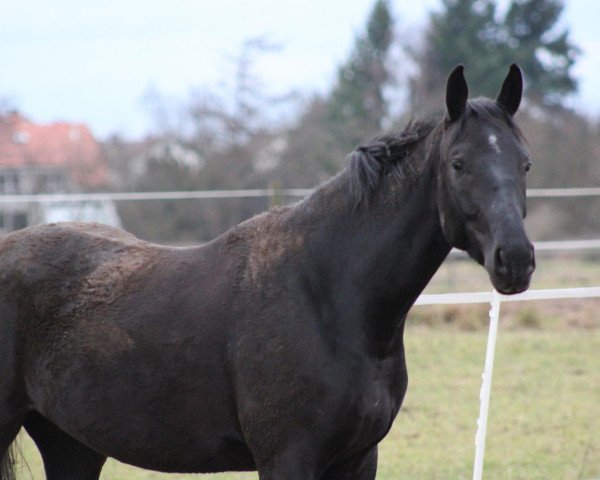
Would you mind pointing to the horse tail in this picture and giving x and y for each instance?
(7, 464)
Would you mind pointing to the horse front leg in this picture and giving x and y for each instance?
(289, 467)
(298, 460)
(359, 467)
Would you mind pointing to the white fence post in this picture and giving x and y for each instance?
(486, 387)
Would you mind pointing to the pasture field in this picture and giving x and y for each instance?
(545, 409)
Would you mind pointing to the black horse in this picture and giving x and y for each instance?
(277, 347)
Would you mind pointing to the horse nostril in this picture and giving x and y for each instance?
(531, 266)
(500, 263)
(514, 261)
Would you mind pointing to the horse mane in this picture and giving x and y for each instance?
(387, 154)
(372, 161)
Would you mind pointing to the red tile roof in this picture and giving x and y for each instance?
(69, 145)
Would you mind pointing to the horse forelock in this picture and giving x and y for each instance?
(490, 111)
(391, 154)
(486, 111)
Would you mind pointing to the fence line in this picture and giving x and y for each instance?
(563, 192)
(248, 193)
(139, 196)
(559, 245)
(486, 297)
(553, 246)
(567, 245)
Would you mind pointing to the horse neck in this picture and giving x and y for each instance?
(370, 264)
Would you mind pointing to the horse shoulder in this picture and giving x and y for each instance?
(261, 244)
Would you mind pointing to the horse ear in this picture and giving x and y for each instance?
(457, 93)
(512, 90)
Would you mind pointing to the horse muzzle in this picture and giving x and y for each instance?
(510, 267)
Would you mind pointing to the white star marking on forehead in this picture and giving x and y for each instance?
(493, 141)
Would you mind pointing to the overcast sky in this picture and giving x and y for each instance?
(93, 61)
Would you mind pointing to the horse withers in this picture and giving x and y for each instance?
(277, 347)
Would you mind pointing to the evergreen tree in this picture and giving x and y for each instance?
(356, 106)
(546, 56)
(464, 31)
(332, 125)
(470, 32)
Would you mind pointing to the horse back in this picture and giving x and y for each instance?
(58, 262)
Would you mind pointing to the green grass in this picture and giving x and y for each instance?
(544, 415)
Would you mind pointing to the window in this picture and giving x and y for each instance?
(19, 220)
(9, 183)
(11, 220)
(21, 138)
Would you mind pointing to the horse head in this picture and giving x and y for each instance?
(481, 181)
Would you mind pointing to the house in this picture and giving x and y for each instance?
(51, 158)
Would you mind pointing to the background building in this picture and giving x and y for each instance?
(54, 158)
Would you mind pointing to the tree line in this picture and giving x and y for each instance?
(248, 138)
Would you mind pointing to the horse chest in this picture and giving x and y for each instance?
(370, 411)
(375, 408)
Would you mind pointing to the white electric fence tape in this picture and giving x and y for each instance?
(486, 297)
(486, 387)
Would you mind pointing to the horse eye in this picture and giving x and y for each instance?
(457, 165)
(527, 167)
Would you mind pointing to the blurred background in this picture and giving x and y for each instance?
(195, 95)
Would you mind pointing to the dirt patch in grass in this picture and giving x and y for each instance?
(565, 271)
(549, 315)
